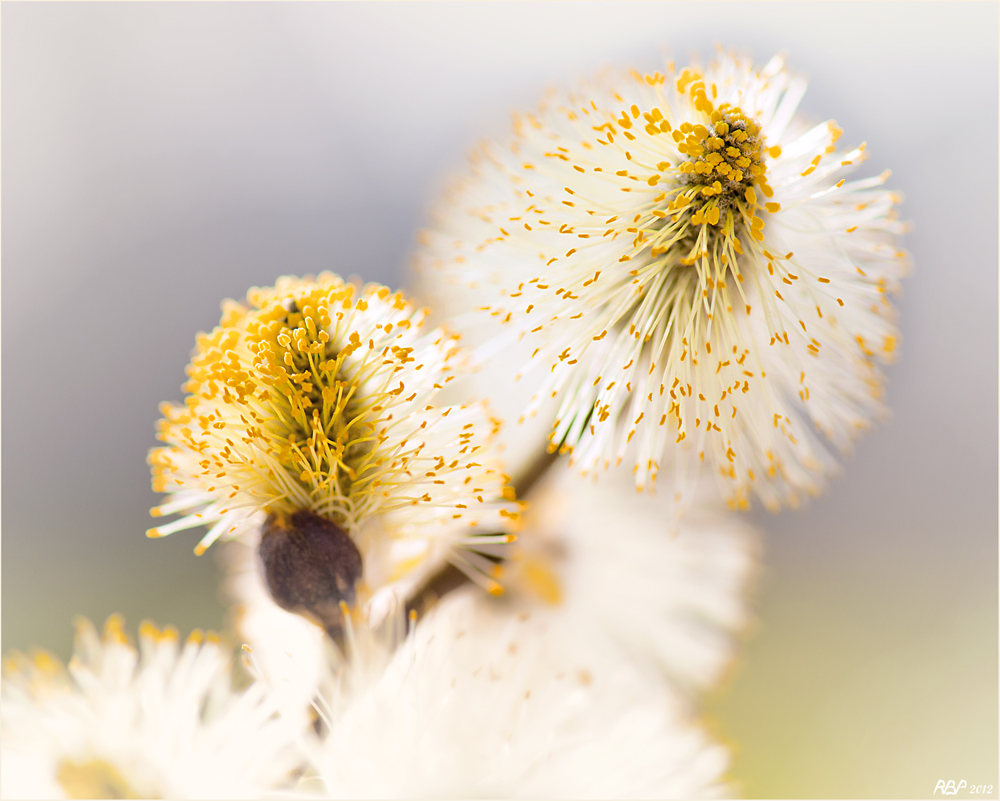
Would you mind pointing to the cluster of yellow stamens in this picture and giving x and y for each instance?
(299, 372)
(314, 397)
(282, 406)
(725, 163)
(724, 166)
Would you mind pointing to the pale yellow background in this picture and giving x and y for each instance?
(159, 157)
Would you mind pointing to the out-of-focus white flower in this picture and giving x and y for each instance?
(313, 399)
(161, 722)
(665, 582)
(691, 267)
(493, 698)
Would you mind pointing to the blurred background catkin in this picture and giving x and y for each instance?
(157, 158)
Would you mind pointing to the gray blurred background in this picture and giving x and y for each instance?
(157, 158)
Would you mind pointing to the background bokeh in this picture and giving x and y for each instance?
(157, 158)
